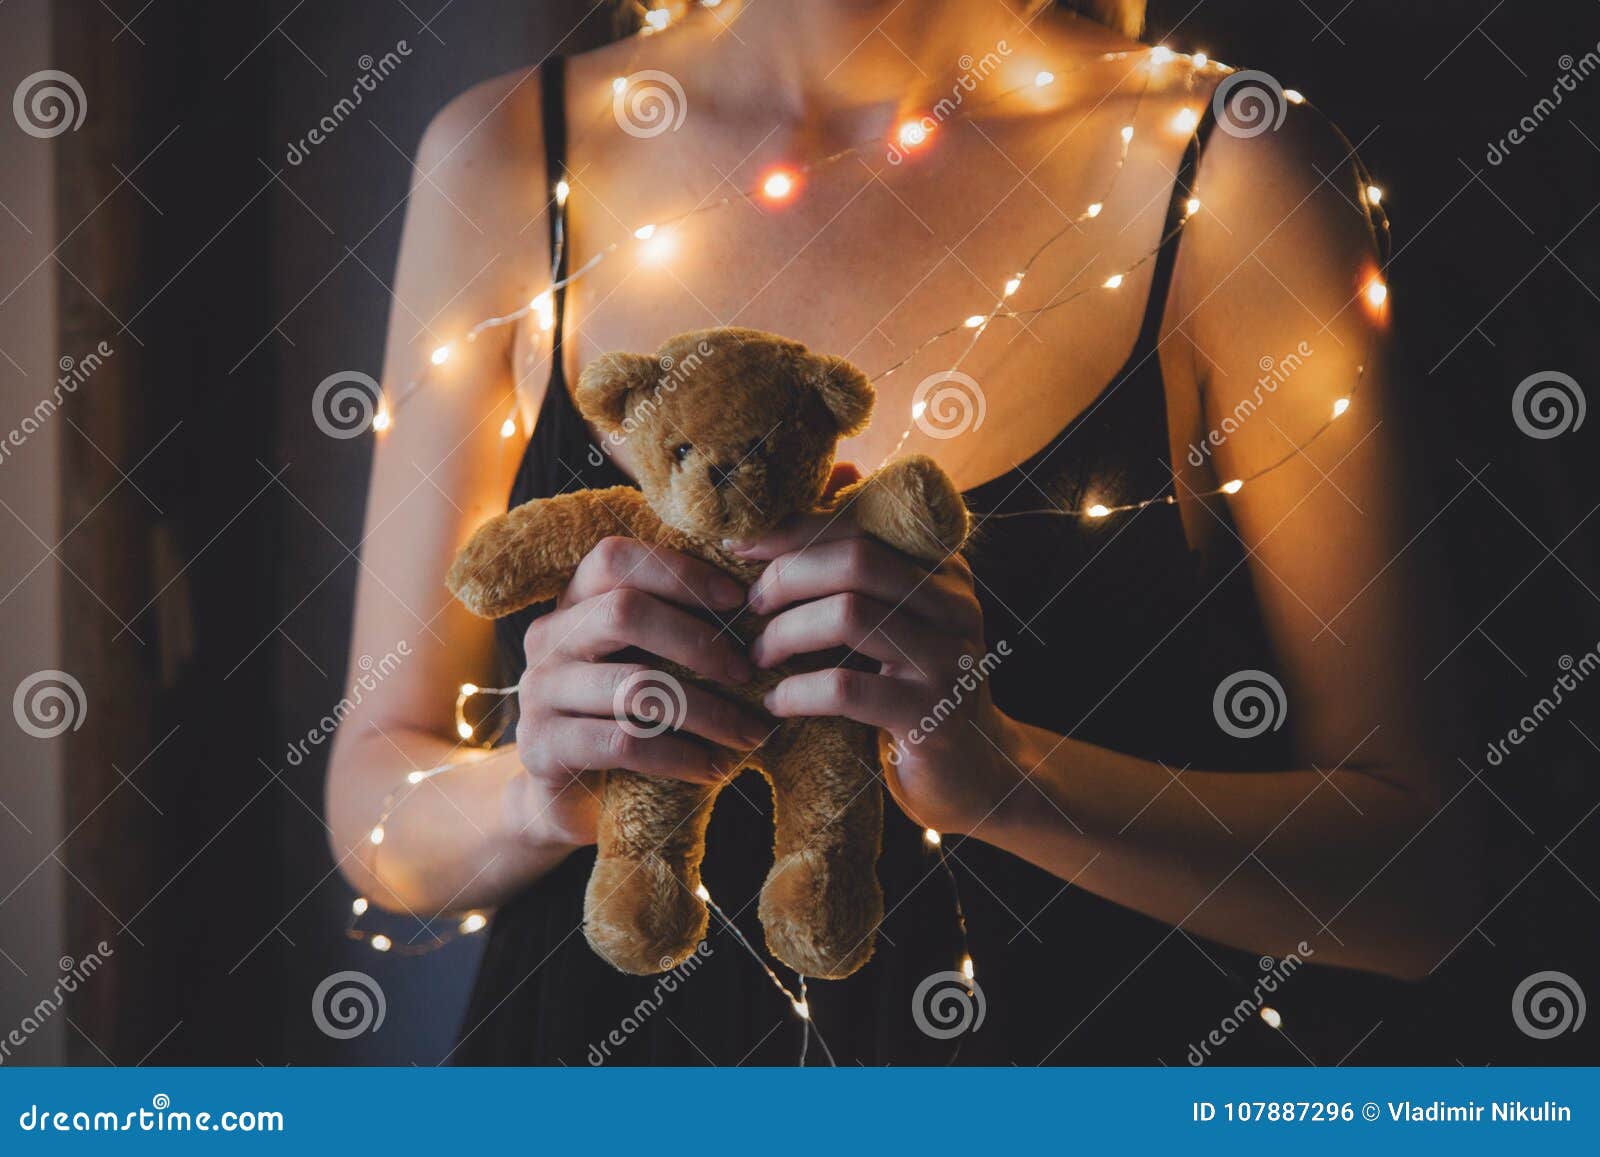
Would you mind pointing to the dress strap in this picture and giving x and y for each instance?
(553, 105)
(1171, 234)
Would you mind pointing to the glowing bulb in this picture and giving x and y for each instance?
(469, 688)
(416, 777)
(709, 3)
(1377, 293)
(1200, 60)
(1233, 487)
(1374, 195)
(918, 408)
(657, 248)
(382, 420)
(911, 134)
(701, 891)
(439, 355)
(360, 906)
(657, 18)
(1013, 284)
(975, 321)
(1098, 510)
(473, 923)
(544, 310)
(1270, 1015)
(1340, 406)
(376, 835)
(967, 968)
(778, 186)
(1160, 55)
(1127, 134)
(1114, 281)
(463, 729)
(508, 427)
(1044, 77)
(1193, 206)
(1186, 120)
(381, 943)
(802, 1009)
(1294, 96)
(1094, 210)
(932, 837)
(563, 191)
(645, 232)
(619, 84)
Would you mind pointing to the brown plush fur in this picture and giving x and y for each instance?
(731, 430)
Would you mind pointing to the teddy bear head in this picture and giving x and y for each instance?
(728, 430)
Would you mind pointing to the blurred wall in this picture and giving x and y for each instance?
(31, 882)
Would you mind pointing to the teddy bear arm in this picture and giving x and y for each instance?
(528, 555)
(912, 505)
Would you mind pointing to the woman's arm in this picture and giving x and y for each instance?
(1365, 850)
(474, 244)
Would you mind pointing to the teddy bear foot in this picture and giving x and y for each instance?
(642, 916)
(821, 915)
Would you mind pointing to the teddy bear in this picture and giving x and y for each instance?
(729, 431)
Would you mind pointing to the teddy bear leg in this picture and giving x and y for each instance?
(821, 903)
(640, 911)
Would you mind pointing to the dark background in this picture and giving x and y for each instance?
(247, 281)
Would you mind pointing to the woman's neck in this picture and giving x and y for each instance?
(818, 57)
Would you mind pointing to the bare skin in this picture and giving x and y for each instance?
(1277, 257)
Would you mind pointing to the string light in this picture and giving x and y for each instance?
(657, 19)
(1186, 120)
(1199, 60)
(1271, 1016)
(1160, 55)
(778, 186)
(440, 355)
(975, 321)
(381, 943)
(508, 427)
(1294, 96)
(1098, 510)
(1191, 206)
(544, 310)
(911, 134)
(1127, 134)
(1374, 195)
(1044, 77)
(382, 420)
(931, 837)
(376, 835)
(563, 191)
(474, 922)
(1013, 284)
(359, 906)
(1114, 281)
(1233, 487)
(645, 232)
(1094, 210)
(1376, 293)
(1340, 406)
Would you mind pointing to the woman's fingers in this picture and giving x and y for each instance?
(602, 744)
(865, 625)
(797, 532)
(626, 617)
(634, 691)
(875, 700)
(626, 562)
(868, 567)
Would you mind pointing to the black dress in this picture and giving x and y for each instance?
(1119, 635)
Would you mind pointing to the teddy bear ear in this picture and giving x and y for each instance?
(845, 391)
(606, 382)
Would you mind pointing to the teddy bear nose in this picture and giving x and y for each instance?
(719, 474)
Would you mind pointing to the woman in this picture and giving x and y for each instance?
(1127, 845)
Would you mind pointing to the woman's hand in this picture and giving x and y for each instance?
(830, 585)
(625, 594)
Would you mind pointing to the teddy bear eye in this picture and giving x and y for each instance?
(681, 451)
